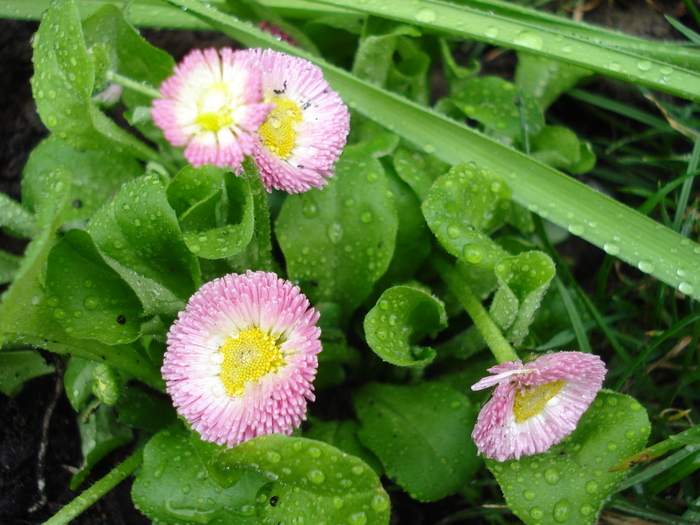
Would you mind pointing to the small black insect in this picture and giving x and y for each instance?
(273, 500)
(121, 319)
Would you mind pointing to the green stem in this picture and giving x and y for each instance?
(499, 346)
(99, 489)
(139, 87)
(261, 212)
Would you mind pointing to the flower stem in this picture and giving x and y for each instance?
(261, 212)
(499, 346)
(144, 89)
(99, 489)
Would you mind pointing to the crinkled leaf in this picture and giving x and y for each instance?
(63, 81)
(145, 409)
(496, 103)
(557, 146)
(375, 53)
(410, 76)
(17, 367)
(100, 433)
(95, 175)
(173, 486)
(139, 236)
(401, 318)
(87, 297)
(545, 79)
(78, 380)
(215, 210)
(342, 434)
(571, 482)
(586, 161)
(332, 486)
(15, 218)
(418, 170)
(23, 308)
(339, 242)
(463, 206)
(522, 280)
(9, 264)
(421, 433)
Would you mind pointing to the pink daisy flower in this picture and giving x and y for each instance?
(304, 135)
(242, 356)
(212, 105)
(536, 404)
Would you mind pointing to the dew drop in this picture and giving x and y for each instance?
(611, 248)
(309, 209)
(453, 231)
(551, 476)
(274, 456)
(612, 446)
(537, 513)
(358, 469)
(359, 518)
(59, 313)
(491, 32)
(685, 288)
(592, 487)
(338, 502)
(586, 509)
(528, 39)
(562, 510)
(645, 266)
(630, 434)
(644, 65)
(529, 495)
(473, 254)
(380, 503)
(429, 149)
(317, 477)
(425, 15)
(91, 302)
(367, 217)
(315, 452)
(576, 229)
(335, 232)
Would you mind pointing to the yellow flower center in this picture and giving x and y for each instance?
(214, 111)
(247, 357)
(529, 403)
(279, 130)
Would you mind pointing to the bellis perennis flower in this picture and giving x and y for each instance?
(242, 356)
(303, 136)
(212, 105)
(536, 404)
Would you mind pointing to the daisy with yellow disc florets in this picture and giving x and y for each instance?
(241, 358)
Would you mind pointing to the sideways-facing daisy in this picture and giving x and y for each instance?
(304, 135)
(212, 105)
(536, 404)
(242, 356)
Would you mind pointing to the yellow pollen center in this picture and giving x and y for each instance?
(247, 357)
(214, 112)
(279, 130)
(529, 403)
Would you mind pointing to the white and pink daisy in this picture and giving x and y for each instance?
(242, 356)
(212, 105)
(304, 135)
(536, 404)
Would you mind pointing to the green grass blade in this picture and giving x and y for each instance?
(659, 66)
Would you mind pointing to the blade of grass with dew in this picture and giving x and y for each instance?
(636, 63)
(602, 221)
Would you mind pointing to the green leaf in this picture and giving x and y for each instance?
(78, 380)
(174, 487)
(492, 101)
(100, 433)
(418, 170)
(141, 408)
(87, 297)
(571, 482)
(462, 208)
(556, 146)
(342, 434)
(522, 282)
(139, 236)
(15, 218)
(401, 318)
(374, 56)
(332, 486)
(95, 175)
(339, 242)
(17, 367)
(215, 210)
(544, 79)
(9, 264)
(422, 434)
(63, 81)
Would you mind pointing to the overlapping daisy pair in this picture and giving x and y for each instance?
(242, 356)
(536, 404)
(222, 105)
